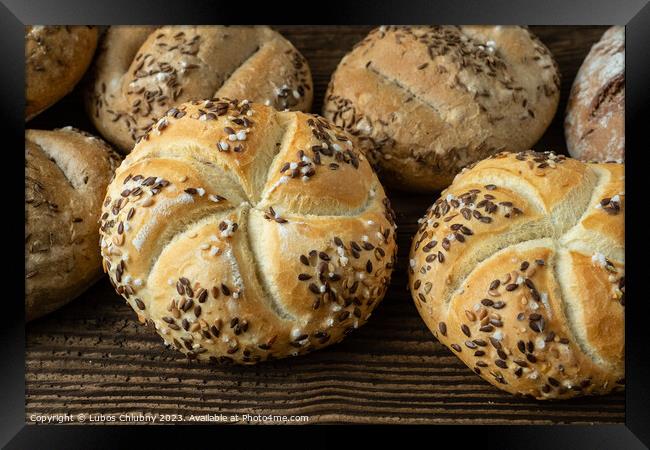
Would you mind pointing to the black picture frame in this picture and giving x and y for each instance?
(634, 14)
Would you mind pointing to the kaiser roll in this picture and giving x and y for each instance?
(242, 234)
(426, 101)
(66, 174)
(594, 124)
(141, 72)
(519, 269)
(56, 58)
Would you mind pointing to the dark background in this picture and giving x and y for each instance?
(92, 356)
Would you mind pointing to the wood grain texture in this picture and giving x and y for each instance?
(93, 357)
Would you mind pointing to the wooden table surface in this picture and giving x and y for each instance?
(92, 356)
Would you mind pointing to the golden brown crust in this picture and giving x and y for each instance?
(594, 124)
(141, 72)
(519, 269)
(426, 101)
(56, 58)
(248, 205)
(66, 173)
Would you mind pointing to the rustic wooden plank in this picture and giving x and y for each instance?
(93, 357)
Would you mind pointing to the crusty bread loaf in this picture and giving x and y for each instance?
(594, 124)
(56, 58)
(140, 72)
(242, 233)
(426, 101)
(519, 268)
(66, 174)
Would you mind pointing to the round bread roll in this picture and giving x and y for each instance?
(141, 72)
(242, 234)
(56, 58)
(519, 269)
(594, 124)
(426, 101)
(66, 174)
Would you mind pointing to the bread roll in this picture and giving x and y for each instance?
(594, 124)
(519, 269)
(242, 234)
(141, 72)
(426, 101)
(56, 57)
(66, 174)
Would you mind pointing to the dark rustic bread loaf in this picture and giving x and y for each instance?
(594, 124)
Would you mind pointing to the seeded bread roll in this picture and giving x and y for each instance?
(141, 72)
(519, 269)
(56, 58)
(594, 124)
(66, 174)
(243, 234)
(426, 101)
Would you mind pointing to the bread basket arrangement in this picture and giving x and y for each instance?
(242, 226)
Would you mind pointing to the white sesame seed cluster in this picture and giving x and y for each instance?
(427, 100)
(274, 248)
(519, 269)
(140, 72)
